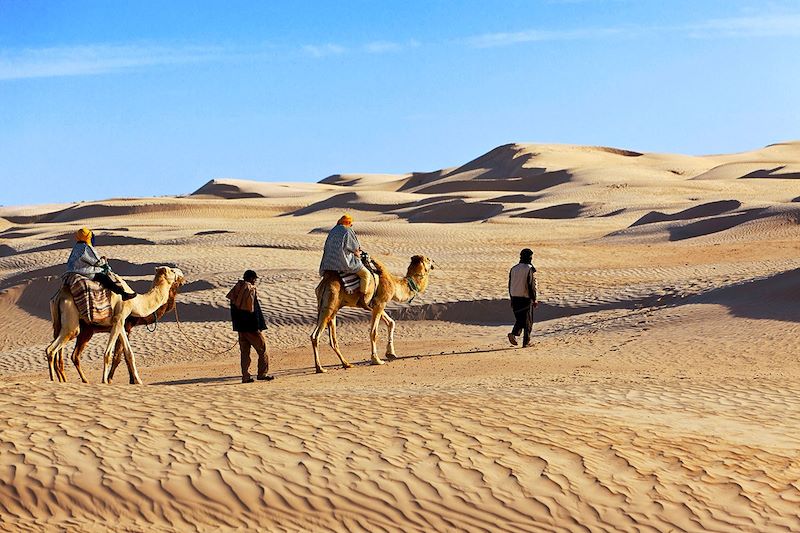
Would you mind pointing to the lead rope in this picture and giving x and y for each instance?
(412, 285)
(155, 323)
(177, 321)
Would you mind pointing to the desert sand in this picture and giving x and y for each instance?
(660, 392)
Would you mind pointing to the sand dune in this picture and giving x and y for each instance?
(708, 219)
(238, 189)
(701, 211)
(373, 182)
(571, 210)
(659, 394)
(773, 298)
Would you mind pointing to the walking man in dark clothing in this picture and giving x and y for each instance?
(522, 289)
(248, 321)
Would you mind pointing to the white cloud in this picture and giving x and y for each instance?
(489, 40)
(324, 50)
(757, 25)
(96, 59)
(382, 47)
(772, 25)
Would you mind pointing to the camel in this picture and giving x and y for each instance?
(331, 297)
(86, 331)
(142, 306)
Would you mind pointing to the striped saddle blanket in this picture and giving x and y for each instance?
(350, 282)
(91, 298)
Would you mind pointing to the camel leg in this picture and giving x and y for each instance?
(117, 329)
(335, 342)
(390, 355)
(53, 352)
(322, 322)
(59, 363)
(51, 363)
(83, 339)
(130, 359)
(67, 332)
(119, 351)
(315, 346)
(373, 336)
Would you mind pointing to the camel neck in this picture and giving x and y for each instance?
(406, 288)
(148, 303)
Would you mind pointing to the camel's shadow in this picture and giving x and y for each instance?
(236, 379)
(306, 370)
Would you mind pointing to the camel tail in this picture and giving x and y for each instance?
(55, 315)
(321, 291)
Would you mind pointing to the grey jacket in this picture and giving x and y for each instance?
(522, 281)
(339, 254)
(84, 261)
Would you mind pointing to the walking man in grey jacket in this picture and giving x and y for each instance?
(522, 289)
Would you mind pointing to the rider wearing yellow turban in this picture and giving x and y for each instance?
(84, 260)
(342, 254)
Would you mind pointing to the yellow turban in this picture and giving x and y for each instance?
(346, 220)
(84, 235)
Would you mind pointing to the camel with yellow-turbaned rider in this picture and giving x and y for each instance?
(87, 330)
(143, 305)
(331, 297)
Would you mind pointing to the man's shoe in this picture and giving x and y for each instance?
(512, 339)
(526, 344)
(265, 378)
(247, 380)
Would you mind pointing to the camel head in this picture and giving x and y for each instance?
(170, 275)
(177, 284)
(420, 266)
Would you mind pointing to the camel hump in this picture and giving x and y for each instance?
(377, 267)
(330, 276)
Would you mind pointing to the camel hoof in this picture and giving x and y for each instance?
(376, 361)
(321, 370)
(347, 365)
(391, 357)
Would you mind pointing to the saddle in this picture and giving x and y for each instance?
(351, 282)
(91, 298)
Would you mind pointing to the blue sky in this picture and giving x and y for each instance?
(103, 99)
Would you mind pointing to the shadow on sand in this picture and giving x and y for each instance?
(771, 298)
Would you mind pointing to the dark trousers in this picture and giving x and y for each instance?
(523, 313)
(108, 283)
(253, 339)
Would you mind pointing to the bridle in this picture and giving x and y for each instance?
(413, 287)
(412, 284)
